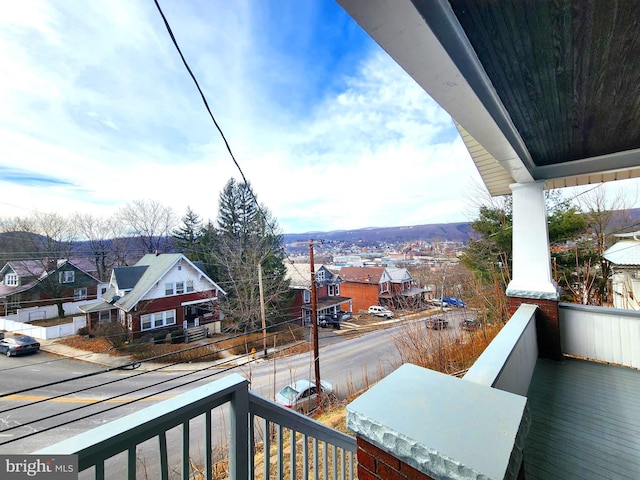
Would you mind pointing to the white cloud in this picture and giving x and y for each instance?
(98, 110)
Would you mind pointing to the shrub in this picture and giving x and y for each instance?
(177, 336)
(159, 337)
(83, 331)
(113, 332)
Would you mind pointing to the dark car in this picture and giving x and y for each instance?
(12, 346)
(469, 324)
(437, 323)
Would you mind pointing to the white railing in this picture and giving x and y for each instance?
(599, 333)
(509, 360)
(262, 436)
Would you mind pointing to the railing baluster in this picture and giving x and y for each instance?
(100, 471)
(185, 450)
(164, 465)
(252, 445)
(267, 449)
(305, 456)
(208, 446)
(315, 459)
(280, 453)
(334, 452)
(132, 462)
(292, 455)
(325, 455)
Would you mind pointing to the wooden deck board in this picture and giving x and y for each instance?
(585, 422)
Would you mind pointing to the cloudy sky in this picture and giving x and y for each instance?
(97, 110)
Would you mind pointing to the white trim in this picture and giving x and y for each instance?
(195, 302)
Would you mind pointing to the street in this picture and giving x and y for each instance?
(33, 417)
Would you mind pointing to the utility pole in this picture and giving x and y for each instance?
(314, 321)
(262, 315)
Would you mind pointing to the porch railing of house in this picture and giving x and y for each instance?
(599, 333)
(295, 445)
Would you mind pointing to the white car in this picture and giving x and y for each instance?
(379, 311)
(301, 395)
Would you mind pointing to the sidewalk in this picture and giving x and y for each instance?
(126, 363)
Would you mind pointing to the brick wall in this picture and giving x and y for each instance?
(376, 464)
(547, 325)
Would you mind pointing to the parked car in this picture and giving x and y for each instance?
(469, 324)
(437, 323)
(301, 395)
(379, 311)
(12, 346)
(454, 302)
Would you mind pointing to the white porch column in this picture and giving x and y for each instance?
(532, 277)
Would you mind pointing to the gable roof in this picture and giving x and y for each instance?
(362, 274)
(35, 271)
(142, 276)
(624, 252)
(398, 275)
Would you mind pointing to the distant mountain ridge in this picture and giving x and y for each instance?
(455, 232)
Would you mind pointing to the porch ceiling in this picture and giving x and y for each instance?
(544, 90)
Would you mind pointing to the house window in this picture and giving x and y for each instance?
(80, 294)
(320, 276)
(11, 280)
(306, 296)
(104, 316)
(68, 276)
(157, 320)
(176, 288)
(189, 285)
(334, 290)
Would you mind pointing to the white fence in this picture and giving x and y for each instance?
(599, 333)
(19, 323)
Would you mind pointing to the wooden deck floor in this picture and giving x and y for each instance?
(585, 422)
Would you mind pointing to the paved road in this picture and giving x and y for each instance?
(349, 365)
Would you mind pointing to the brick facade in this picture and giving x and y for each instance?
(376, 464)
(547, 325)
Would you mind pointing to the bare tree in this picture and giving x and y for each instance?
(606, 213)
(48, 241)
(106, 241)
(151, 221)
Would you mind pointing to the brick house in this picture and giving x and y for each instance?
(329, 298)
(36, 283)
(160, 292)
(391, 287)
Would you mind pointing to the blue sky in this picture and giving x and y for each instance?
(98, 110)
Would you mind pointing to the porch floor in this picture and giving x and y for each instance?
(585, 422)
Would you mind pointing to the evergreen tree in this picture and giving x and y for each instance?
(186, 238)
(247, 236)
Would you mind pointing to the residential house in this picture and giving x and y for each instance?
(366, 286)
(391, 287)
(625, 264)
(405, 294)
(160, 292)
(330, 300)
(33, 283)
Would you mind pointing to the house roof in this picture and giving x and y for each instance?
(398, 274)
(35, 271)
(140, 278)
(539, 91)
(299, 274)
(362, 274)
(624, 252)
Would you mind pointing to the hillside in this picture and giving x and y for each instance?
(457, 232)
